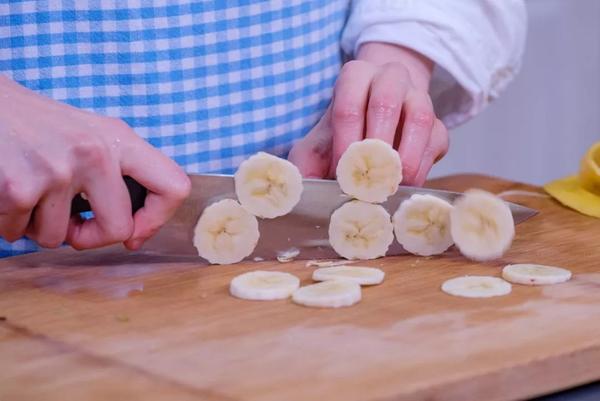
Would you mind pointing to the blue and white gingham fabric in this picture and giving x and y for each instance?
(207, 82)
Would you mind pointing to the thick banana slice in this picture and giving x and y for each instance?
(369, 170)
(357, 274)
(328, 294)
(476, 287)
(225, 233)
(264, 285)
(531, 274)
(360, 230)
(268, 186)
(422, 225)
(481, 225)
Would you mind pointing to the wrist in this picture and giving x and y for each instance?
(419, 67)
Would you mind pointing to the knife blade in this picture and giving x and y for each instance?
(305, 228)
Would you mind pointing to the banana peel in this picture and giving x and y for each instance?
(580, 192)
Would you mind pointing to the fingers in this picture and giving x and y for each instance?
(349, 107)
(13, 226)
(418, 123)
(50, 220)
(312, 154)
(388, 91)
(168, 186)
(18, 196)
(109, 199)
(437, 147)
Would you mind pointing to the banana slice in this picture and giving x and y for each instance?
(268, 186)
(264, 285)
(422, 225)
(360, 230)
(357, 274)
(532, 274)
(481, 225)
(225, 233)
(328, 294)
(369, 170)
(476, 287)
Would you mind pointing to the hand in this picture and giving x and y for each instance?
(383, 94)
(50, 152)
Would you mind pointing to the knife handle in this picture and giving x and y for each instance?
(137, 194)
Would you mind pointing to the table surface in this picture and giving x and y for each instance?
(108, 323)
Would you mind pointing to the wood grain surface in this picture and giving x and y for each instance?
(108, 324)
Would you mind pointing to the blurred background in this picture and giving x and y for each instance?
(541, 126)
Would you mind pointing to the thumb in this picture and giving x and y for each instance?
(312, 154)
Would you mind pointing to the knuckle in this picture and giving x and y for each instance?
(61, 175)
(119, 232)
(347, 113)
(181, 188)
(384, 106)
(422, 119)
(352, 67)
(18, 197)
(91, 150)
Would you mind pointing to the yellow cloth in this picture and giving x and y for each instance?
(581, 192)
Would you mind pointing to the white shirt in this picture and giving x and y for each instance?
(477, 45)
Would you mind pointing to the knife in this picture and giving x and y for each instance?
(304, 228)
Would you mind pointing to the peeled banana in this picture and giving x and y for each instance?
(358, 274)
(369, 170)
(226, 233)
(268, 186)
(360, 230)
(532, 274)
(328, 294)
(481, 225)
(476, 287)
(422, 225)
(264, 285)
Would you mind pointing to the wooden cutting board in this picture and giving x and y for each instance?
(111, 325)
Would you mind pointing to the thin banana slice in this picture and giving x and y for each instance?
(532, 274)
(357, 274)
(226, 233)
(264, 285)
(288, 255)
(369, 170)
(422, 225)
(476, 287)
(268, 186)
(481, 225)
(360, 230)
(328, 294)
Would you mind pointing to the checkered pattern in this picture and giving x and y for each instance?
(207, 82)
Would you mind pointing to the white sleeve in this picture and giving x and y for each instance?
(476, 45)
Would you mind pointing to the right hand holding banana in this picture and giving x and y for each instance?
(50, 152)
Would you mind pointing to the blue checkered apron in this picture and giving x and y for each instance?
(206, 82)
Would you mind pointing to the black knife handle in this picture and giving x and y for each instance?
(137, 194)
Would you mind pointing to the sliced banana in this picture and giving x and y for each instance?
(226, 233)
(481, 225)
(328, 294)
(422, 225)
(358, 274)
(369, 170)
(476, 287)
(264, 285)
(532, 274)
(268, 186)
(360, 230)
